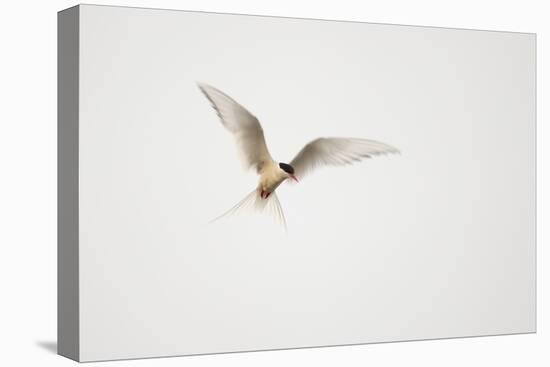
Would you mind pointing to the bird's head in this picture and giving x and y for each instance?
(289, 170)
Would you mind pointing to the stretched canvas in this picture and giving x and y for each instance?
(236, 183)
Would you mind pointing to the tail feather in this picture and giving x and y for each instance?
(278, 209)
(246, 202)
(270, 206)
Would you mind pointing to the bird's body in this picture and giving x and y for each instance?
(271, 176)
(249, 136)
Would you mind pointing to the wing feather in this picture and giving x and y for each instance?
(244, 126)
(336, 152)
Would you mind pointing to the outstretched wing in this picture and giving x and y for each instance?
(244, 126)
(336, 152)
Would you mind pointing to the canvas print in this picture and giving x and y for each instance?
(233, 183)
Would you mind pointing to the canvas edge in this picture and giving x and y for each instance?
(68, 330)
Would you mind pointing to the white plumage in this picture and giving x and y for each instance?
(336, 152)
(250, 139)
(244, 126)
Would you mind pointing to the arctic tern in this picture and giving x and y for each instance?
(249, 136)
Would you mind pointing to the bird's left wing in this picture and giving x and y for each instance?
(335, 152)
(244, 126)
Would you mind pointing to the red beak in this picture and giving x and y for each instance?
(294, 178)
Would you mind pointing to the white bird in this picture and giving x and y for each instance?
(250, 139)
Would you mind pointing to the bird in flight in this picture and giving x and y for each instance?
(249, 136)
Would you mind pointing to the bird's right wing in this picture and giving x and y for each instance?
(336, 152)
(244, 126)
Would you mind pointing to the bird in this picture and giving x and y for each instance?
(250, 139)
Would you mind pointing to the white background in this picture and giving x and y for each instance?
(28, 202)
(435, 242)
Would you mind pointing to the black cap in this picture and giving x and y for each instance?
(287, 168)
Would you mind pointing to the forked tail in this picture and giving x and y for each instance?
(270, 206)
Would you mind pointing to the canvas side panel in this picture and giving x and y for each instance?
(67, 186)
